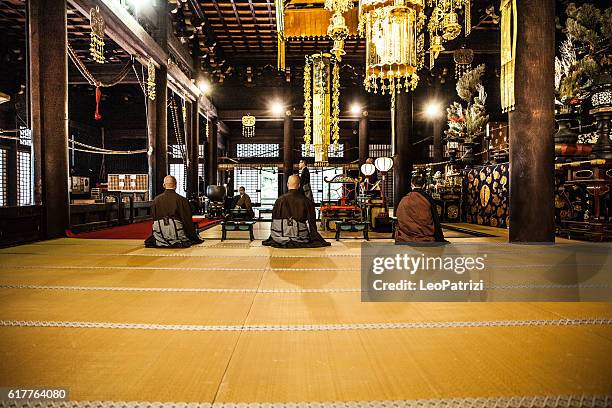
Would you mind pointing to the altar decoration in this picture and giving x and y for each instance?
(582, 203)
(344, 209)
(321, 104)
(487, 195)
(508, 53)
(467, 123)
(248, 125)
(96, 47)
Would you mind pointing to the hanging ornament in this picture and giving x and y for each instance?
(463, 61)
(248, 125)
(338, 31)
(96, 47)
(97, 115)
(151, 79)
(321, 104)
(444, 24)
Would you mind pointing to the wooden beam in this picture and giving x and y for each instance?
(124, 30)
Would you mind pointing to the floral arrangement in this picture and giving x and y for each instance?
(468, 122)
(586, 55)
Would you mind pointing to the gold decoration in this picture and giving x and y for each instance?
(485, 195)
(151, 79)
(307, 104)
(96, 47)
(390, 29)
(444, 24)
(280, 32)
(339, 6)
(338, 31)
(321, 95)
(463, 61)
(248, 125)
(508, 52)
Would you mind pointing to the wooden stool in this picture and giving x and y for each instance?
(237, 226)
(355, 226)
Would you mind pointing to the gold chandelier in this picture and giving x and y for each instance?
(337, 29)
(321, 104)
(391, 30)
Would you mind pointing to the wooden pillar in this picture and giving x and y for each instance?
(193, 145)
(403, 160)
(531, 125)
(160, 150)
(437, 140)
(364, 141)
(287, 148)
(151, 146)
(212, 152)
(49, 107)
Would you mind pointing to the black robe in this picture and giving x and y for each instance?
(173, 205)
(294, 204)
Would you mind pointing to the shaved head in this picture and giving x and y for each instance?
(169, 183)
(294, 182)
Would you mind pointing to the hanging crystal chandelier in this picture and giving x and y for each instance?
(391, 30)
(321, 104)
(248, 125)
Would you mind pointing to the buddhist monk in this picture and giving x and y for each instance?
(243, 201)
(172, 219)
(417, 216)
(305, 180)
(294, 223)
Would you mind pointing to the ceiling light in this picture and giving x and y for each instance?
(433, 110)
(356, 109)
(204, 87)
(277, 108)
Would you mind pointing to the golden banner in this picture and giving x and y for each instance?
(314, 22)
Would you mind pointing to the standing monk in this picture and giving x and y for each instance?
(305, 181)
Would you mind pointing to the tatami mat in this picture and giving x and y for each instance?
(238, 284)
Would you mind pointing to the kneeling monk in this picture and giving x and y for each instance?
(417, 216)
(172, 219)
(294, 223)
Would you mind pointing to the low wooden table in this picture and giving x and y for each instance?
(237, 226)
(350, 225)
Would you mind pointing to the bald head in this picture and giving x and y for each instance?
(294, 182)
(169, 183)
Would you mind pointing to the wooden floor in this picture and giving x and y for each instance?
(235, 322)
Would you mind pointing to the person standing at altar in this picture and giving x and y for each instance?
(305, 181)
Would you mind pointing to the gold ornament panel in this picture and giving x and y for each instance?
(487, 195)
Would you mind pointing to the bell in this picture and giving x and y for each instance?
(451, 27)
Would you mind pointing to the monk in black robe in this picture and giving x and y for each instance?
(417, 216)
(172, 219)
(305, 181)
(294, 223)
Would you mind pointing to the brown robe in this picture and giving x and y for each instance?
(173, 205)
(417, 219)
(295, 205)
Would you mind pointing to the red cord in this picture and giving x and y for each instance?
(97, 115)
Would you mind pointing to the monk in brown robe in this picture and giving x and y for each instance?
(243, 202)
(417, 216)
(294, 223)
(172, 219)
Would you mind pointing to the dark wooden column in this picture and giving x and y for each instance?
(161, 130)
(531, 125)
(364, 141)
(287, 148)
(193, 143)
(151, 145)
(437, 140)
(49, 84)
(212, 152)
(403, 160)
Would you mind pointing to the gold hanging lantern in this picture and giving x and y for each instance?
(444, 24)
(151, 79)
(321, 104)
(96, 45)
(391, 31)
(248, 125)
(450, 26)
(338, 31)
